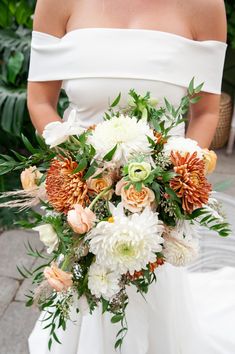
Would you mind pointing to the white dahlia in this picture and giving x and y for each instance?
(127, 244)
(129, 134)
(181, 246)
(102, 281)
(183, 145)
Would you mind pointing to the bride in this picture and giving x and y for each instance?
(94, 49)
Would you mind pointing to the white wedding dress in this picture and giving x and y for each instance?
(185, 313)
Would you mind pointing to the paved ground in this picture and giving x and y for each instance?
(16, 321)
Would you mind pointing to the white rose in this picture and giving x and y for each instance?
(48, 236)
(56, 133)
(102, 281)
(183, 145)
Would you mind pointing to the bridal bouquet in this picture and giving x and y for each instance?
(118, 200)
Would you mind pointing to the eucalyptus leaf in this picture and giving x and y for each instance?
(116, 101)
(110, 154)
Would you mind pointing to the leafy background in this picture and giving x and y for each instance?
(16, 19)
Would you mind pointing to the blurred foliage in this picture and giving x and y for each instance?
(230, 9)
(15, 35)
(16, 13)
(16, 20)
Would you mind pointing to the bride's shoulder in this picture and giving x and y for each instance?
(51, 16)
(208, 19)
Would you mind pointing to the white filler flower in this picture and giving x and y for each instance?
(183, 145)
(181, 246)
(129, 243)
(103, 281)
(56, 133)
(129, 134)
(48, 236)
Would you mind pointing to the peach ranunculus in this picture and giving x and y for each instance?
(97, 185)
(81, 220)
(133, 200)
(57, 278)
(210, 159)
(30, 178)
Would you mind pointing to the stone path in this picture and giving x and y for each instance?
(16, 320)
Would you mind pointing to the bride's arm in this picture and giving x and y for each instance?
(50, 17)
(210, 25)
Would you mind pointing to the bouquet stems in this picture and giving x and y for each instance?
(100, 195)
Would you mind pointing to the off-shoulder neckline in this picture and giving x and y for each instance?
(116, 29)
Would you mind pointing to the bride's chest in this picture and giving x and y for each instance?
(172, 16)
(94, 94)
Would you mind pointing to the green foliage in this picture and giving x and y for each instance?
(15, 37)
(16, 13)
(16, 19)
(230, 10)
(13, 109)
(205, 218)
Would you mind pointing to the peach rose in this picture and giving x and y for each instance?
(132, 199)
(97, 185)
(57, 278)
(30, 178)
(81, 220)
(210, 159)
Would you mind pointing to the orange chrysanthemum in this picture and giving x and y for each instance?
(190, 184)
(65, 188)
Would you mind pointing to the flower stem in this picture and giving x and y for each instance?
(66, 263)
(100, 195)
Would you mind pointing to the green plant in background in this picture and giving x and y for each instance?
(15, 36)
(230, 9)
(16, 20)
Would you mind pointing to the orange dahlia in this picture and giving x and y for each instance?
(65, 188)
(190, 184)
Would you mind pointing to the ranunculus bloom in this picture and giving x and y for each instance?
(210, 159)
(97, 185)
(57, 278)
(48, 236)
(30, 178)
(132, 199)
(81, 220)
(139, 171)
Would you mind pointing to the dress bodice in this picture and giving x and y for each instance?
(95, 64)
